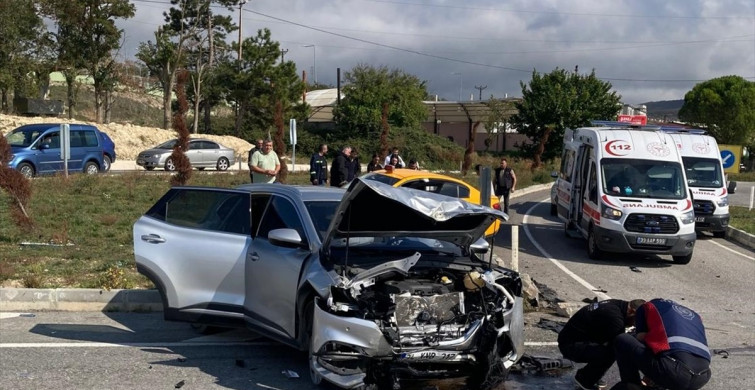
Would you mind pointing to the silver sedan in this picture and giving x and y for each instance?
(202, 153)
(378, 283)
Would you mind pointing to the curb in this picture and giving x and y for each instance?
(740, 237)
(79, 299)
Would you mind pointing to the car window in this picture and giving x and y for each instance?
(381, 178)
(209, 145)
(453, 189)
(52, 139)
(220, 211)
(259, 203)
(195, 145)
(281, 214)
(439, 187)
(321, 213)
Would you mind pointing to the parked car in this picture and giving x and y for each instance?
(436, 183)
(377, 283)
(202, 154)
(35, 149)
(109, 151)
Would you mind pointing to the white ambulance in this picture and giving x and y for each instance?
(623, 188)
(705, 177)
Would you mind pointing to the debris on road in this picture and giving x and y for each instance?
(549, 324)
(567, 309)
(600, 290)
(290, 373)
(180, 384)
(182, 359)
(635, 269)
(724, 353)
(542, 364)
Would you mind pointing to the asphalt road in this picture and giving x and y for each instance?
(56, 350)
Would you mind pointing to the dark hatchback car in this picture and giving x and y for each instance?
(379, 284)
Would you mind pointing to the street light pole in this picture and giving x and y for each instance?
(314, 60)
(241, 27)
(461, 83)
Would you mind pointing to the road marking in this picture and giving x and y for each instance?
(181, 344)
(732, 250)
(593, 290)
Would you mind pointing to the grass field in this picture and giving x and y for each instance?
(95, 214)
(742, 218)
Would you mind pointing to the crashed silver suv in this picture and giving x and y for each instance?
(379, 284)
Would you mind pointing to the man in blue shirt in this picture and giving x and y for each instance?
(670, 348)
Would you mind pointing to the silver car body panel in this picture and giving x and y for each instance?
(199, 158)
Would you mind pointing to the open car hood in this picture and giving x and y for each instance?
(373, 209)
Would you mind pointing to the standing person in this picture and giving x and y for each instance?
(252, 151)
(374, 164)
(504, 182)
(353, 167)
(318, 166)
(394, 153)
(670, 348)
(338, 170)
(587, 337)
(265, 164)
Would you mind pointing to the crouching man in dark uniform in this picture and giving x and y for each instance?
(588, 338)
(670, 348)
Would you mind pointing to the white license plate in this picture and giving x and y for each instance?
(699, 219)
(431, 356)
(651, 240)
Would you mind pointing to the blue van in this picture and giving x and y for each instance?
(35, 149)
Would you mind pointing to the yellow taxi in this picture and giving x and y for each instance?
(437, 183)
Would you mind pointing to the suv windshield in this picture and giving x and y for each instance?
(321, 213)
(23, 137)
(643, 178)
(703, 172)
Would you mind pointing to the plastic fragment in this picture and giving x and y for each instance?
(180, 384)
(290, 373)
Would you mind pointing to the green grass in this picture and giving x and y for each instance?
(742, 218)
(746, 176)
(96, 214)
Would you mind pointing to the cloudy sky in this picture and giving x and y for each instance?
(647, 49)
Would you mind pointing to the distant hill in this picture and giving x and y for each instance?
(667, 110)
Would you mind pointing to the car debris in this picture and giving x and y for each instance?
(291, 374)
(635, 269)
(180, 384)
(542, 364)
(550, 325)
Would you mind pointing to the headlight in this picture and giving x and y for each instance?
(610, 212)
(688, 217)
(723, 202)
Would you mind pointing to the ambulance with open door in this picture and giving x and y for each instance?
(624, 189)
(705, 178)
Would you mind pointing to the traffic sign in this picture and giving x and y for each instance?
(730, 157)
(727, 158)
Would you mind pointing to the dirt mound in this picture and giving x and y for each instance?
(129, 139)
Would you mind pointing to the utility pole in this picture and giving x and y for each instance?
(283, 55)
(241, 27)
(480, 88)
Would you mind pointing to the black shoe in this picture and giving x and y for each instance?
(581, 386)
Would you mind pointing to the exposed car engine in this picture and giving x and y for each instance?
(432, 317)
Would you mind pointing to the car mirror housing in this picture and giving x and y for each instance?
(288, 238)
(480, 246)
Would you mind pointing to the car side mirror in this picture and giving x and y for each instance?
(287, 238)
(554, 174)
(480, 246)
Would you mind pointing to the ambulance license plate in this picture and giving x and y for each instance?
(699, 219)
(651, 240)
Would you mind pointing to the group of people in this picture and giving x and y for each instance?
(346, 165)
(668, 345)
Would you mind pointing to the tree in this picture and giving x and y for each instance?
(260, 83)
(559, 100)
(377, 98)
(725, 106)
(162, 57)
(20, 30)
(91, 36)
(497, 121)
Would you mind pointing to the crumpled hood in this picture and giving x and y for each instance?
(373, 209)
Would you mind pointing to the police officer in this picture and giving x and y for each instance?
(670, 348)
(587, 337)
(318, 166)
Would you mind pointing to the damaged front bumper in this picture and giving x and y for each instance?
(344, 349)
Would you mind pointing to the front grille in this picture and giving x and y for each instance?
(704, 207)
(651, 223)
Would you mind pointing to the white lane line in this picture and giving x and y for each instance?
(732, 250)
(178, 345)
(593, 290)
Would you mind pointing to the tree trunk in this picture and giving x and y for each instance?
(240, 112)
(197, 92)
(206, 109)
(109, 100)
(541, 147)
(97, 103)
(167, 90)
(70, 93)
(280, 145)
(4, 103)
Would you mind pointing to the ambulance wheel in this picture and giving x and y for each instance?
(592, 246)
(554, 209)
(682, 259)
